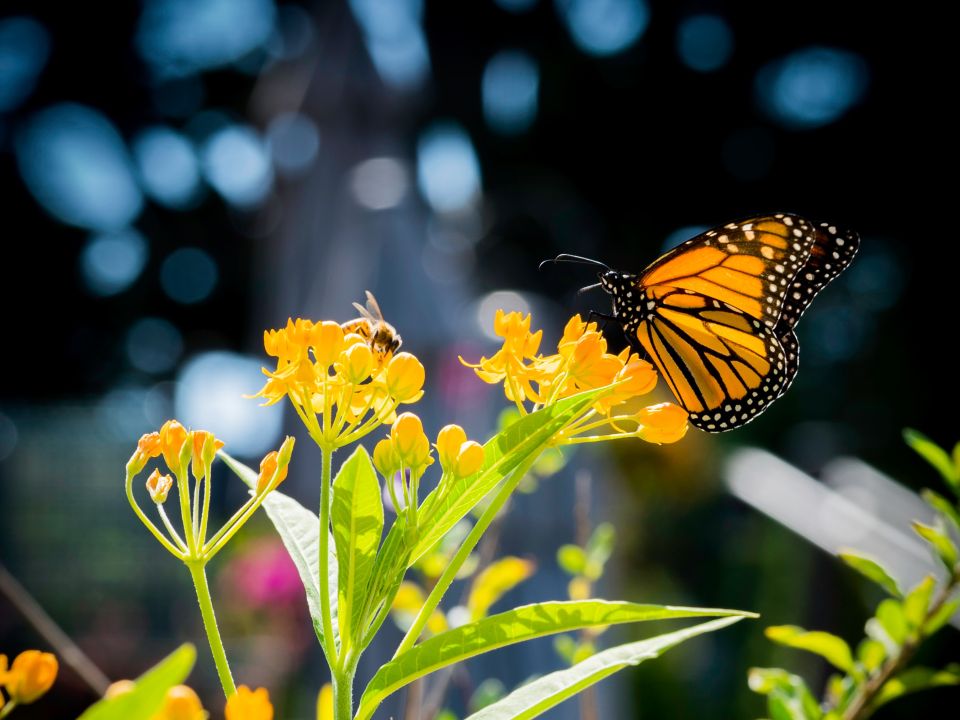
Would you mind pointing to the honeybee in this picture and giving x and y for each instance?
(382, 337)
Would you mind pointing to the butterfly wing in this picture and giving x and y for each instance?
(832, 252)
(713, 305)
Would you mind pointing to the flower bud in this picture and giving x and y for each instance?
(147, 447)
(663, 423)
(247, 704)
(470, 459)
(30, 676)
(409, 441)
(181, 703)
(449, 440)
(159, 486)
(205, 447)
(385, 458)
(326, 338)
(120, 687)
(405, 376)
(356, 363)
(172, 438)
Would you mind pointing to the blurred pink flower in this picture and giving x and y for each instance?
(263, 574)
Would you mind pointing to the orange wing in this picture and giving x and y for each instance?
(714, 304)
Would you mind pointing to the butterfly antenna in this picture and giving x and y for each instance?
(582, 290)
(566, 257)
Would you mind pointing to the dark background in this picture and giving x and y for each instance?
(825, 109)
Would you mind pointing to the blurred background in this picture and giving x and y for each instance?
(178, 175)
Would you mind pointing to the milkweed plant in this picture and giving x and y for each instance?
(402, 510)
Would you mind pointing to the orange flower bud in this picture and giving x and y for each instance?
(449, 440)
(172, 437)
(356, 363)
(405, 376)
(181, 703)
(247, 704)
(159, 486)
(470, 459)
(204, 446)
(410, 442)
(385, 458)
(326, 338)
(663, 423)
(30, 676)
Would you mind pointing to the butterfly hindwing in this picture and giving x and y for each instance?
(723, 366)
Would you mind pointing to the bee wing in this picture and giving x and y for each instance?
(374, 308)
(364, 312)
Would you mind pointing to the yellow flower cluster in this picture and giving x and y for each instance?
(29, 677)
(189, 453)
(339, 386)
(580, 363)
(182, 703)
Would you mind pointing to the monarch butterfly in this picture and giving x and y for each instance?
(717, 313)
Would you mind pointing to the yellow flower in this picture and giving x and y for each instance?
(205, 446)
(458, 456)
(159, 486)
(325, 702)
(335, 382)
(663, 423)
(181, 703)
(508, 364)
(30, 676)
(385, 458)
(273, 467)
(407, 603)
(410, 442)
(247, 704)
(172, 437)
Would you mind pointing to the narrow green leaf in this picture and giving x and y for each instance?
(504, 452)
(916, 678)
(834, 649)
(600, 545)
(536, 697)
(917, 601)
(357, 514)
(144, 701)
(935, 455)
(763, 681)
(940, 542)
(510, 627)
(872, 570)
(299, 529)
(943, 506)
(941, 617)
(876, 631)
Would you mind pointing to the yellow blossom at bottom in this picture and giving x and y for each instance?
(247, 704)
(325, 703)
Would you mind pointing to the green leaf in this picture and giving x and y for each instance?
(871, 654)
(536, 697)
(940, 542)
(600, 545)
(917, 601)
(834, 649)
(890, 615)
(510, 627)
(357, 514)
(916, 678)
(872, 570)
(943, 506)
(936, 456)
(572, 559)
(388, 571)
(299, 529)
(941, 617)
(143, 702)
(503, 453)
(487, 693)
(763, 681)
(498, 578)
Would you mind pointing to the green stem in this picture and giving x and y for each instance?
(7, 709)
(329, 643)
(453, 567)
(148, 523)
(199, 576)
(343, 692)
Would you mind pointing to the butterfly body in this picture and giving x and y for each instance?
(717, 314)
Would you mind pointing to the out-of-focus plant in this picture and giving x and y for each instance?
(26, 679)
(879, 670)
(344, 385)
